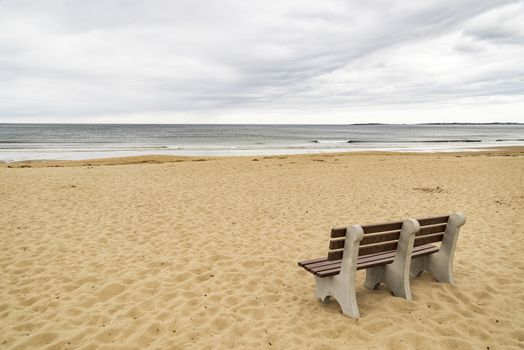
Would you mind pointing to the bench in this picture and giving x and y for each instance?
(386, 252)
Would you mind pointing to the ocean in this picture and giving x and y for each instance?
(87, 141)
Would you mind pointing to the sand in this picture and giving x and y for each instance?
(182, 253)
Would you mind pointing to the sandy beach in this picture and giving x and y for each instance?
(201, 253)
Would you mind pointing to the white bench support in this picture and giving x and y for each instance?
(396, 274)
(342, 286)
(440, 264)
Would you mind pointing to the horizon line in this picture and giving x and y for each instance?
(272, 124)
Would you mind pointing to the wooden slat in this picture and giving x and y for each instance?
(314, 263)
(335, 265)
(321, 263)
(379, 256)
(426, 249)
(422, 247)
(434, 237)
(335, 254)
(426, 230)
(338, 232)
(377, 248)
(325, 265)
(373, 263)
(306, 262)
(336, 244)
(390, 226)
(380, 237)
(329, 273)
(433, 220)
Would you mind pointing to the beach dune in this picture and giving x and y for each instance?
(178, 253)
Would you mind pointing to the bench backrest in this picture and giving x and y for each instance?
(384, 237)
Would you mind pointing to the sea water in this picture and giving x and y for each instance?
(87, 141)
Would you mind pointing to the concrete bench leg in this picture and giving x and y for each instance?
(342, 286)
(396, 274)
(440, 264)
(417, 266)
(374, 277)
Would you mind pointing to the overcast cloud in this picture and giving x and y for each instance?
(261, 61)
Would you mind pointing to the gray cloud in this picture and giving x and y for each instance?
(503, 25)
(259, 61)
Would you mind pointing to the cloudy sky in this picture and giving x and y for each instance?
(243, 61)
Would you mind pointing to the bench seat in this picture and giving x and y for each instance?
(322, 267)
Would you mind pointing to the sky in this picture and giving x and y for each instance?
(241, 61)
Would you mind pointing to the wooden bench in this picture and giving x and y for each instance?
(386, 252)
